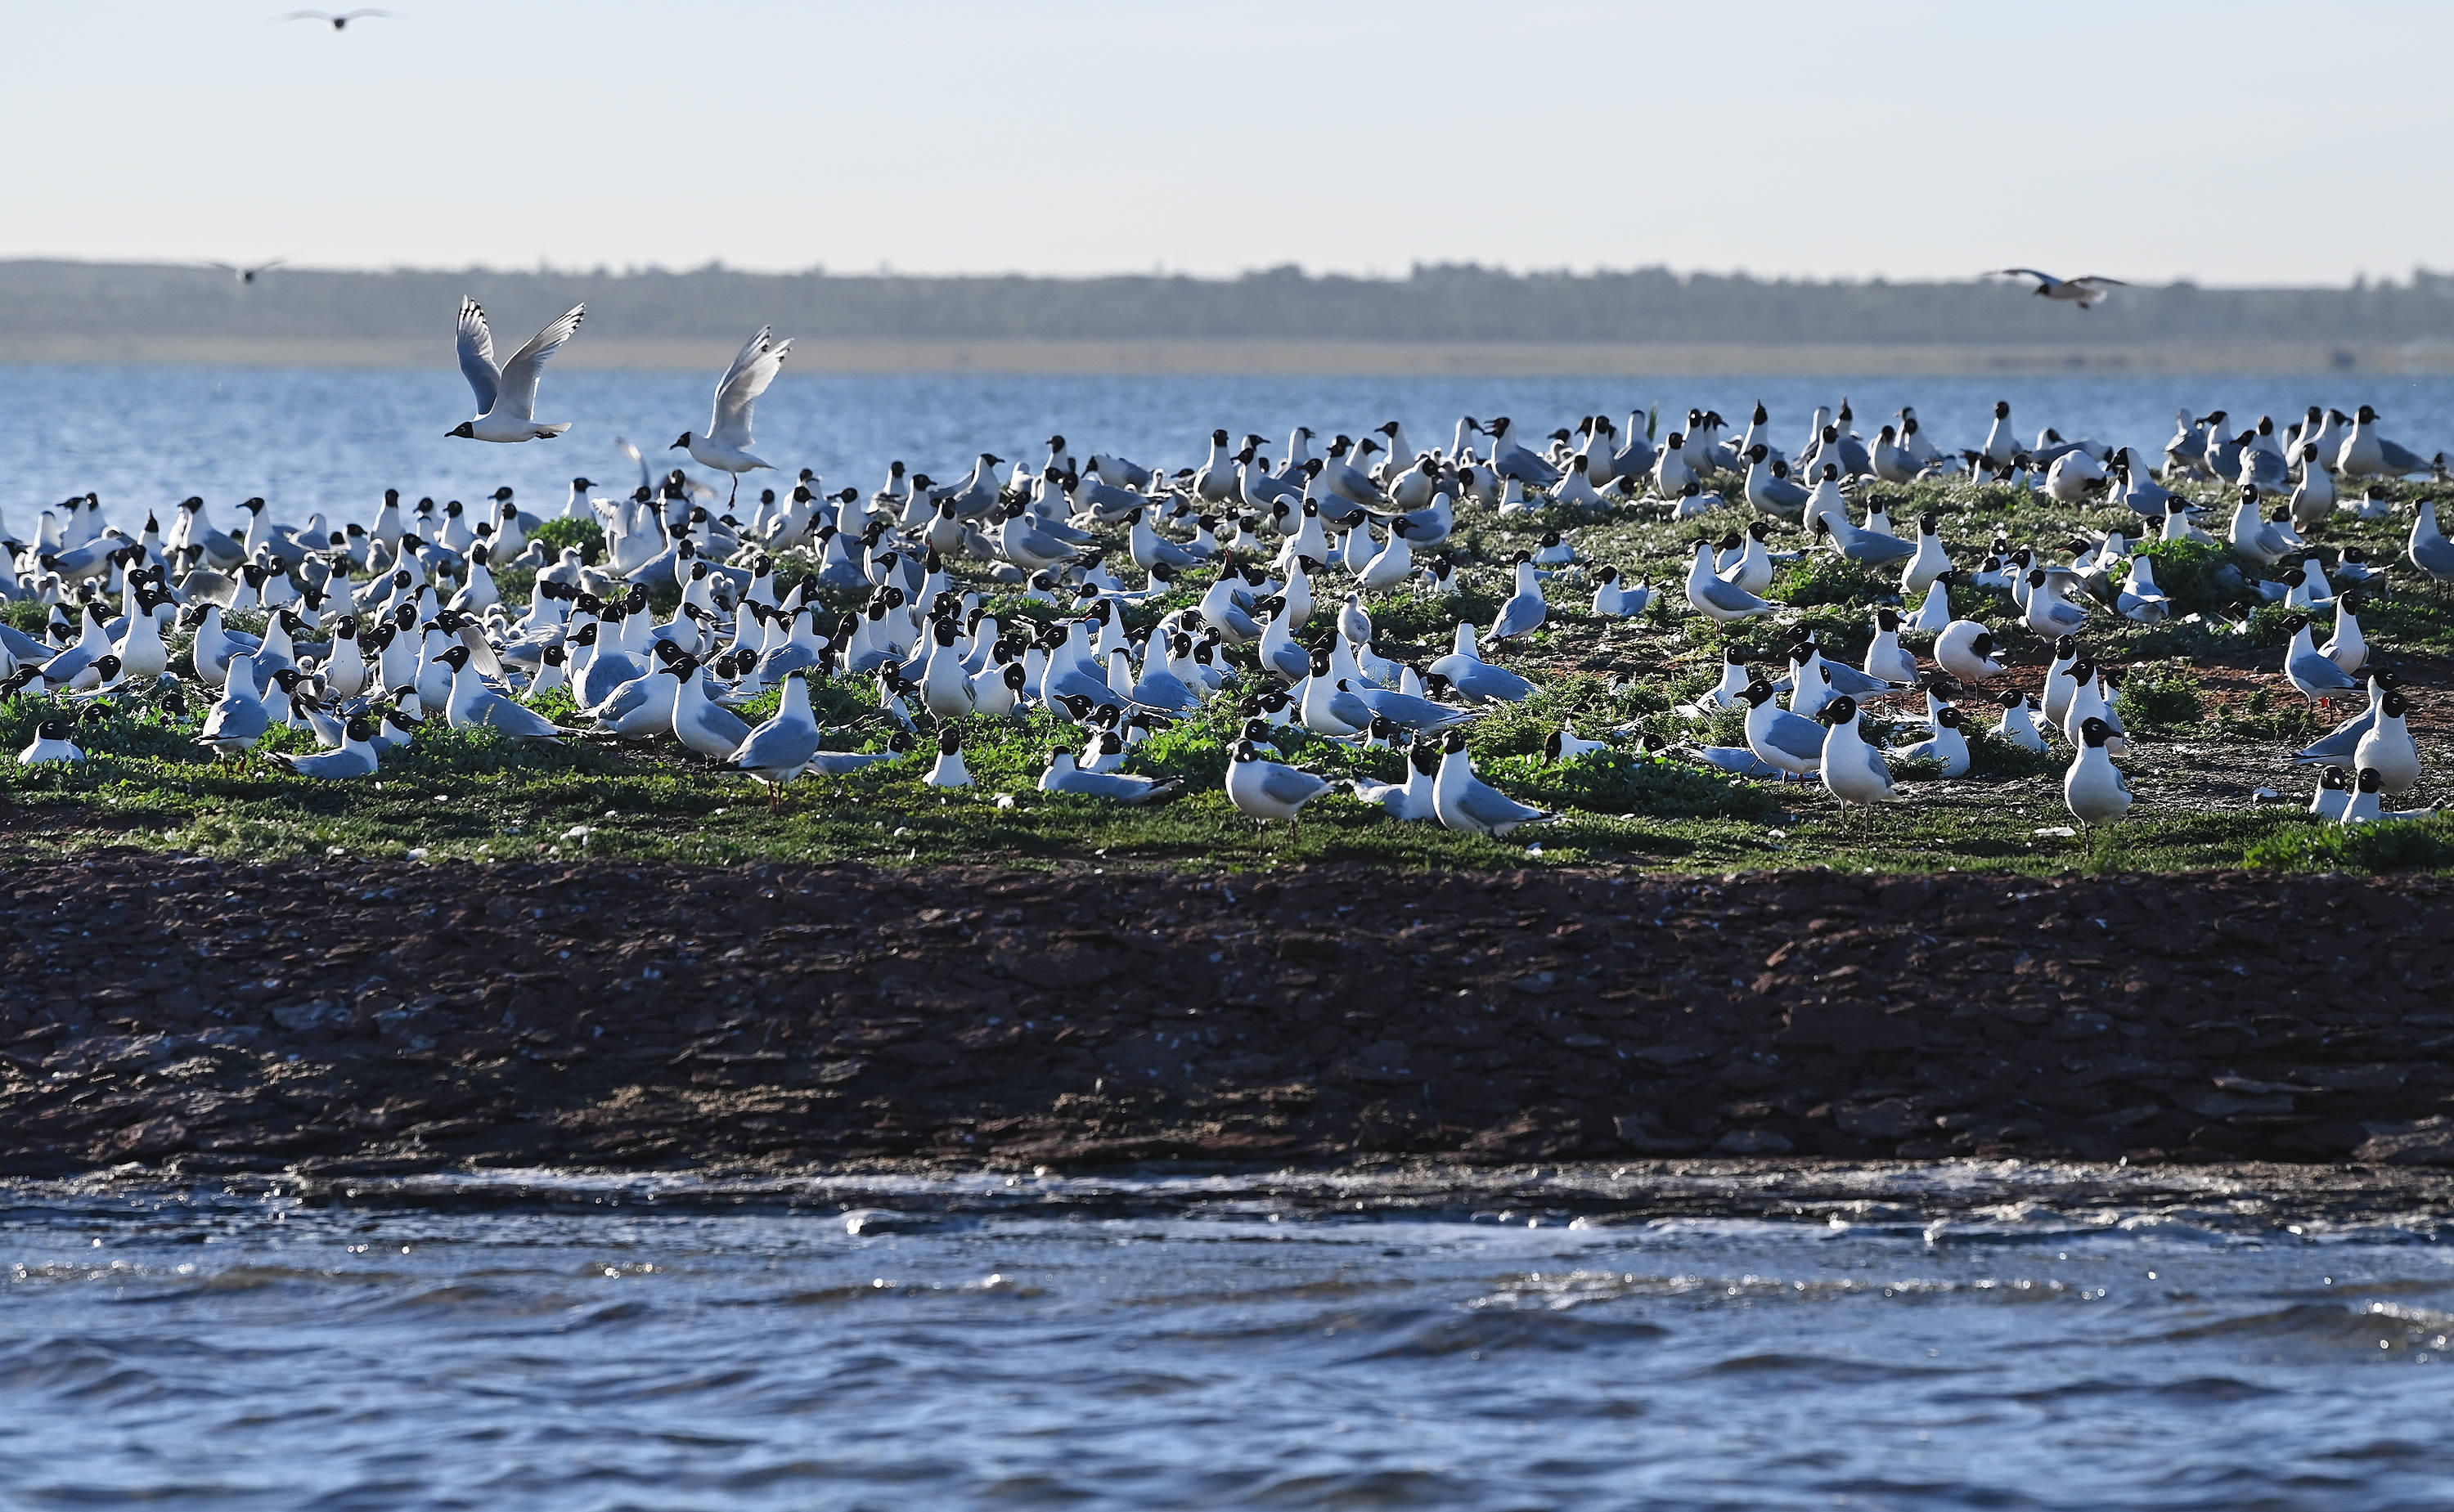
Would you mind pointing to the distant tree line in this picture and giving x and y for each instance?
(1445, 302)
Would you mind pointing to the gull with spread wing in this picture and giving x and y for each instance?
(507, 395)
(725, 446)
(2085, 292)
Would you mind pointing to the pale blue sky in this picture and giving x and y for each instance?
(2235, 143)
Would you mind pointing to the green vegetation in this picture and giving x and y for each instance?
(567, 531)
(2210, 716)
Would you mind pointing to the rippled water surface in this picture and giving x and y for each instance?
(1960, 1337)
(309, 439)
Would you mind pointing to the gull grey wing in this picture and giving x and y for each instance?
(1519, 614)
(2340, 743)
(2318, 671)
(520, 375)
(1486, 805)
(774, 745)
(477, 342)
(1290, 784)
(1730, 596)
(1796, 735)
(751, 372)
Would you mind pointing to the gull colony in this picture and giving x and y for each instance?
(1257, 572)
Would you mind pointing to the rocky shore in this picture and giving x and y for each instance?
(372, 1016)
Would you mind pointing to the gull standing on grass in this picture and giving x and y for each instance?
(507, 395)
(725, 446)
(1268, 789)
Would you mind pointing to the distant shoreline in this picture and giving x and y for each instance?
(1263, 356)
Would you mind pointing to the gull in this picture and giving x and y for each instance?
(1790, 742)
(949, 770)
(340, 19)
(2348, 649)
(699, 722)
(1064, 776)
(473, 706)
(245, 274)
(355, 758)
(2310, 670)
(50, 744)
(1965, 651)
(1710, 596)
(1611, 600)
(1934, 615)
(1872, 548)
(507, 396)
(1328, 709)
(1948, 744)
(2387, 749)
(239, 719)
(1409, 801)
(2364, 807)
(2086, 291)
(1929, 562)
(2049, 612)
(2364, 452)
(2333, 793)
(1853, 773)
(726, 445)
(2338, 744)
(1885, 658)
(2094, 788)
(1525, 610)
(2019, 724)
(1406, 711)
(1751, 569)
(2428, 549)
(1267, 789)
(1477, 680)
(781, 748)
(1465, 802)
(1564, 744)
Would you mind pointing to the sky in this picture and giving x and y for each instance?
(2226, 143)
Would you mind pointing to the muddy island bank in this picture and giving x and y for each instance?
(213, 1017)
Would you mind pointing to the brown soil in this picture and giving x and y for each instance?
(372, 1016)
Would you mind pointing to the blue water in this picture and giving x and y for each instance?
(144, 438)
(1922, 1337)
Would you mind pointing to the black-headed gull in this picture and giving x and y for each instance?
(507, 395)
(1268, 789)
(2085, 291)
(340, 20)
(2094, 788)
(726, 445)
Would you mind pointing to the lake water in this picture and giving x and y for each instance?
(144, 438)
(1954, 1336)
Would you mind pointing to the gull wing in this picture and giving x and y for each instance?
(753, 369)
(477, 342)
(1291, 785)
(777, 744)
(2026, 272)
(2318, 672)
(1728, 596)
(520, 375)
(1796, 735)
(2099, 280)
(1486, 805)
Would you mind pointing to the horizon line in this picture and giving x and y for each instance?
(2358, 281)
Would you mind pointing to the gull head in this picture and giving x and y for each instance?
(466, 430)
